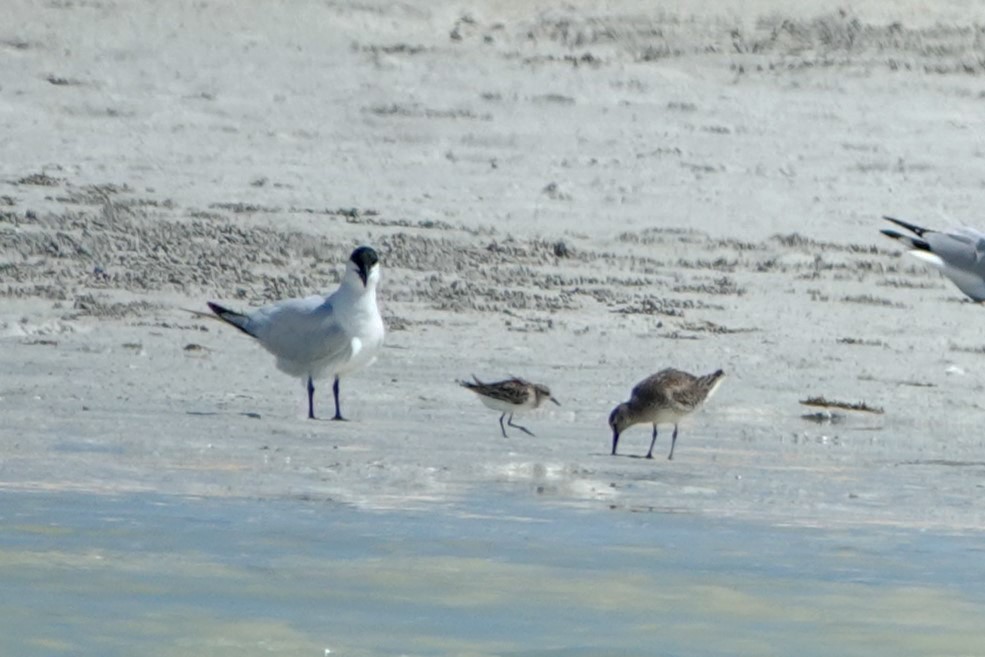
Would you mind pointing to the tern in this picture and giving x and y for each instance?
(959, 253)
(319, 337)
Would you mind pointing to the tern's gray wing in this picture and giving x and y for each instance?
(976, 237)
(301, 332)
(967, 231)
(960, 254)
(959, 249)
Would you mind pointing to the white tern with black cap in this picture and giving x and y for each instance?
(319, 337)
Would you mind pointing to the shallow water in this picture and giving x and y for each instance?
(86, 574)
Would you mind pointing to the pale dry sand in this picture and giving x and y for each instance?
(578, 194)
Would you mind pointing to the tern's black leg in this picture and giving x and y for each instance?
(673, 441)
(311, 399)
(335, 392)
(517, 426)
(501, 427)
(649, 454)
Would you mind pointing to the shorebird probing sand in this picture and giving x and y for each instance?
(663, 398)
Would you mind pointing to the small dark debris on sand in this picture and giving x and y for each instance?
(824, 417)
(826, 403)
(862, 341)
(561, 249)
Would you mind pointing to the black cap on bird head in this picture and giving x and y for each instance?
(364, 258)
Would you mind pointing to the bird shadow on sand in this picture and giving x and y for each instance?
(944, 462)
(641, 457)
(255, 416)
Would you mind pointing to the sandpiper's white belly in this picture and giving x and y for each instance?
(665, 416)
(505, 406)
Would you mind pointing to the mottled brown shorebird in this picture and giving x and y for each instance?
(663, 398)
(510, 396)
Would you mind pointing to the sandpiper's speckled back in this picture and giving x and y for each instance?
(511, 391)
(510, 396)
(674, 390)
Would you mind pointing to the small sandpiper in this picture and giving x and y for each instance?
(510, 396)
(663, 398)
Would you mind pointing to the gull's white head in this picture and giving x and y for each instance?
(363, 268)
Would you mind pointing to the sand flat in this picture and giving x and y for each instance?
(577, 195)
(580, 194)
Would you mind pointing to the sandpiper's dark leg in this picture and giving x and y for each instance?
(517, 426)
(335, 392)
(311, 399)
(649, 454)
(501, 427)
(673, 441)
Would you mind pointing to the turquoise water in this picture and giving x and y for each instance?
(85, 574)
